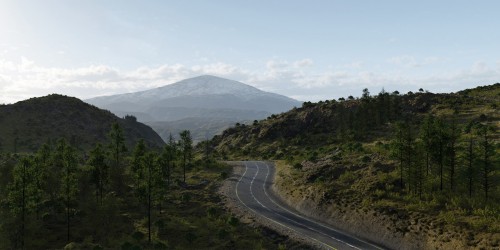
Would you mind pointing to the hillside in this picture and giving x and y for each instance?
(198, 99)
(334, 122)
(419, 169)
(26, 125)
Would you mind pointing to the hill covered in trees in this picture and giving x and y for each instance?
(26, 125)
(419, 166)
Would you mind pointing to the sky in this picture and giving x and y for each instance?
(308, 50)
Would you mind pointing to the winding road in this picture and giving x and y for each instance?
(253, 190)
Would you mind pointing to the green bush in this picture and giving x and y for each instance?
(186, 197)
(211, 212)
(297, 166)
(233, 221)
(224, 175)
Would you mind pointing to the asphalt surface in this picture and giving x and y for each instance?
(253, 190)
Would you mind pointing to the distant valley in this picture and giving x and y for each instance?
(206, 105)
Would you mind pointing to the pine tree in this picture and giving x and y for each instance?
(426, 136)
(166, 160)
(20, 198)
(148, 189)
(40, 173)
(470, 159)
(452, 152)
(139, 152)
(486, 152)
(118, 149)
(398, 148)
(441, 140)
(69, 187)
(186, 145)
(99, 171)
(419, 164)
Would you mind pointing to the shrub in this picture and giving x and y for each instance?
(297, 166)
(233, 221)
(211, 211)
(224, 175)
(185, 197)
(366, 159)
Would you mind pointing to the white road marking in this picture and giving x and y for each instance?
(237, 195)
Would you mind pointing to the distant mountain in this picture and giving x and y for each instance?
(26, 125)
(198, 99)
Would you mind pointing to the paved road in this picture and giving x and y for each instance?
(253, 191)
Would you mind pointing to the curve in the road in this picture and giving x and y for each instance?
(256, 198)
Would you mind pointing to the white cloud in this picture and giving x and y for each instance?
(25, 78)
(276, 65)
(303, 63)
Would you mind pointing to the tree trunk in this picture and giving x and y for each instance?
(184, 167)
(441, 166)
(67, 203)
(149, 205)
(486, 166)
(470, 173)
(23, 205)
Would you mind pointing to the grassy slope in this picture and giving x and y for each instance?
(360, 175)
(39, 120)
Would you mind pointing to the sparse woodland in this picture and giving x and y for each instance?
(435, 154)
(116, 197)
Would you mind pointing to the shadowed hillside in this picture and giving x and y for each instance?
(26, 125)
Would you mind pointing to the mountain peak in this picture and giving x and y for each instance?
(203, 97)
(206, 85)
(208, 77)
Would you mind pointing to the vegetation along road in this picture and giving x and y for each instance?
(253, 190)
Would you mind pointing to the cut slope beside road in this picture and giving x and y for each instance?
(253, 192)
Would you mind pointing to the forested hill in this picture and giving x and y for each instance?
(26, 125)
(422, 168)
(367, 119)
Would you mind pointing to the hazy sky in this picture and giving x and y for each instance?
(309, 50)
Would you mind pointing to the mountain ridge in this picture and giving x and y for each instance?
(199, 97)
(195, 86)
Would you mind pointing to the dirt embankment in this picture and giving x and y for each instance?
(391, 228)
